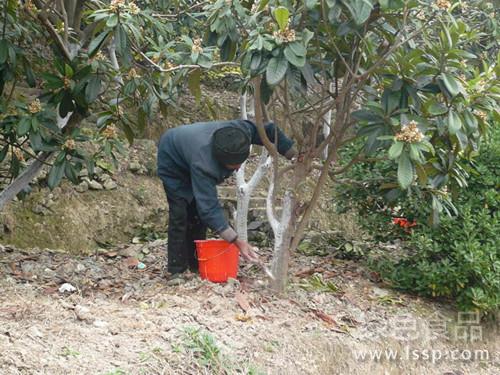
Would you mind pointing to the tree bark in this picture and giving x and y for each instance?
(34, 168)
(23, 179)
(282, 240)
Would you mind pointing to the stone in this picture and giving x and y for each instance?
(67, 288)
(134, 166)
(48, 273)
(80, 268)
(56, 193)
(149, 259)
(104, 177)
(83, 173)
(98, 171)
(94, 185)
(254, 225)
(129, 252)
(110, 185)
(83, 313)
(42, 175)
(82, 187)
(100, 323)
(34, 331)
(175, 282)
(39, 209)
(49, 203)
(379, 292)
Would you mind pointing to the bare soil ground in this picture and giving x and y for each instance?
(125, 320)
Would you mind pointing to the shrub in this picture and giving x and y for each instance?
(460, 258)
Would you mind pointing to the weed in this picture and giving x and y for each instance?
(68, 352)
(203, 346)
(316, 283)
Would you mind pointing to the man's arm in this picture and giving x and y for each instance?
(285, 144)
(207, 203)
(211, 213)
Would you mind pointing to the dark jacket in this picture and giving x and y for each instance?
(188, 169)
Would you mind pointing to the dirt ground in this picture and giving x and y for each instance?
(126, 319)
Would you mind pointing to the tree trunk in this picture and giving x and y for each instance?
(23, 179)
(282, 240)
(243, 202)
(244, 190)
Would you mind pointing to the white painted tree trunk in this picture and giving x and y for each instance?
(245, 189)
(327, 121)
(282, 229)
(244, 192)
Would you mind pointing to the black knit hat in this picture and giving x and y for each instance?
(231, 145)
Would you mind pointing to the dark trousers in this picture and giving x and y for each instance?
(184, 226)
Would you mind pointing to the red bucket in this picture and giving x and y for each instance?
(217, 260)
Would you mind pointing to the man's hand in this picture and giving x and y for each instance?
(247, 251)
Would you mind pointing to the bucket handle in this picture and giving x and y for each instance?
(215, 256)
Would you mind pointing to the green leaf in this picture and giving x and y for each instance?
(194, 84)
(360, 9)
(276, 70)
(3, 153)
(121, 40)
(53, 81)
(310, 4)
(297, 48)
(405, 171)
(12, 56)
(55, 175)
(36, 142)
(390, 101)
(395, 150)
(35, 124)
(298, 61)
(24, 126)
(4, 51)
(281, 15)
(93, 89)
(70, 173)
(454, 122)
(415, 153)
(112, 21)
(391, 4)
(367, 115)
(470, 120)
(129, 87)
(129, 133)
(255, 61)
(307, 36)
(68, 71)
(141, 120)
(82, 73)
(262, 5)
(437, 109)
(452, 85)
(66, 105)
(96, 44)
(30, 77)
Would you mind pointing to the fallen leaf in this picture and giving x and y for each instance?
(111, 254)
(131, 262)
(50, 290)
(14, 270)
(351, 322)
(305, 272)
(325, 317)
(242, 301)
(243, 318)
